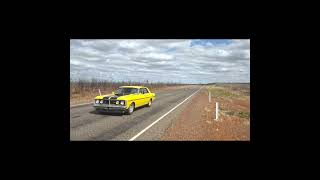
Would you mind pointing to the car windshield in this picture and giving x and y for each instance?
(125, 91)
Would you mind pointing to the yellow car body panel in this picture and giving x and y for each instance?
(139, 99)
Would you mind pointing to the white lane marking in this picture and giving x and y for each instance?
(145, 129)
(81, 104)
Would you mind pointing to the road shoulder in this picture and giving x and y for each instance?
(197, 122)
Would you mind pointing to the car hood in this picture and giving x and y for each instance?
(115, 97)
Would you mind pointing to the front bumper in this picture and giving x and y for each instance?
(109, 108)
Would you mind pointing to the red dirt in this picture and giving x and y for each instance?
(196, 122)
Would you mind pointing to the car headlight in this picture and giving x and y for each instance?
(101, 101)
(97, 101)
(117, 102)
(122, 102)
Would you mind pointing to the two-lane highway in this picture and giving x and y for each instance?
(86, 124)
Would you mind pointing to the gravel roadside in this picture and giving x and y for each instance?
(196, 122)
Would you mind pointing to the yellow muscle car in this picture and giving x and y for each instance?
(125, 99)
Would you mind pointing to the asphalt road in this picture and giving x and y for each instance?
(86, 124)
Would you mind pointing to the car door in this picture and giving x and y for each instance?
(146, 95)
(139, 100)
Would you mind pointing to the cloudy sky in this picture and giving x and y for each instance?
(165, 60)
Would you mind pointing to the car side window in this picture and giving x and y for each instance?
(143, 90)
(146, 90)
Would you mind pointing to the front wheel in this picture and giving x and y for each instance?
(130, 109)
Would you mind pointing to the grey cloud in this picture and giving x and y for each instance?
(160, 60)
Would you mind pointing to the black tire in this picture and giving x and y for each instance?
(149, 103)
(130, 109)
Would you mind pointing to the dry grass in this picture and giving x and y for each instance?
(234, 99)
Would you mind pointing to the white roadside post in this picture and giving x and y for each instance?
(217, 111)
(209, 96)
(99, 92)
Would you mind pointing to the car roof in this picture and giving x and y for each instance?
(132, 86)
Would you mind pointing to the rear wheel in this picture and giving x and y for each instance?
(130, 109)
(150, 102)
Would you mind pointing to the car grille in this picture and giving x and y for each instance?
(112, 101)
(107, 101)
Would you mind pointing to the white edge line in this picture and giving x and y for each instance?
(80, 104)
(145, 129)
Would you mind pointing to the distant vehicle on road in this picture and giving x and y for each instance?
(124, 100)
